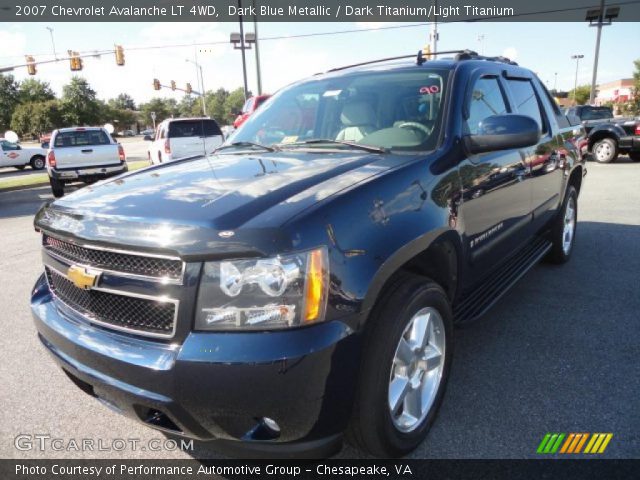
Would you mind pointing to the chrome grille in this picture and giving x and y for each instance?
(148, 266)
(137, 315)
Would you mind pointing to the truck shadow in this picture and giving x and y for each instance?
(560, 351)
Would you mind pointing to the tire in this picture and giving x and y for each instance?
(605, 150)
(57, 187)
(373, 427)
(37, 162)
(635, 156)
(561, 250)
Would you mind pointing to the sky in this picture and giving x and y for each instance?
(545, 48)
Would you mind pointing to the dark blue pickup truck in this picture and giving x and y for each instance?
(303, 280)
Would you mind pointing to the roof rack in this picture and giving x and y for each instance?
(420, 58)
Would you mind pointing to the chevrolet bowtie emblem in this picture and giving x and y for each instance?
(82, 278)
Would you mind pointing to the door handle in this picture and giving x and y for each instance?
(88, 150)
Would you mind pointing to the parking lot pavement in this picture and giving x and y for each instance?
(560, 353)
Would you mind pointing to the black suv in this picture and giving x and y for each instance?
(303, 280)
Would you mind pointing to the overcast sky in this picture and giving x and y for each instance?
(542, 47)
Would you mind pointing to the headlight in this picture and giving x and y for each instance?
(266, 293)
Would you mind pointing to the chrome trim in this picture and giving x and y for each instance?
(91, 319)
(162, 280)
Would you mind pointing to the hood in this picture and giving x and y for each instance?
(179, 204)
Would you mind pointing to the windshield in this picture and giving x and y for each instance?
(393, 110)
(596, 113)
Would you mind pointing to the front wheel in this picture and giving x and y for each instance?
(405, 367)
(605, 150)
(57, 187)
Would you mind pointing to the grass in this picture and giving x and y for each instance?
(35, 179)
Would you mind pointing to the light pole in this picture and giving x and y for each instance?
(575, 83)
(53, 43)
(255, 31)
(243, 42)
(599, 17)
(555, 82)
(433, 37)
(481, 42)
(200, 79)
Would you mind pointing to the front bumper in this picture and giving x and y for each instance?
(213, 385)
(97, 173)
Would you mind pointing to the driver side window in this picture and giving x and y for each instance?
(486, 100)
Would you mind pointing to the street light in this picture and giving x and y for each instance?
(575, 83)
(599, 17)
(53, 43)
(242, 42)
(200, 84)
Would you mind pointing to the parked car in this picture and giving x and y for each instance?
(178, 138)
(304, 280)
(608, 136)
(15, 155)
(85, 154)
(249, 107)
(148, 131)
(127, 133)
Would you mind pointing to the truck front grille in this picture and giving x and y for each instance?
(148, 266)
(137, 315)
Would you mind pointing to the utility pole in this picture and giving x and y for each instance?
(200, 79)
(599, 17)
(433, 37)
(53, 43)
(555, 81)
(255, 30)
(242, 47)
(575, 83)
(481, 42)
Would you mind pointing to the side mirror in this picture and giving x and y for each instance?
(148, 138)
(504, 132)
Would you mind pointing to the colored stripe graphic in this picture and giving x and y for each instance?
(574, 442)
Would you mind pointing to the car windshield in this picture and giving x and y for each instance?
(596, 113)
(398, 110)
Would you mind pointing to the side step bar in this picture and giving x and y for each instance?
(474, 304)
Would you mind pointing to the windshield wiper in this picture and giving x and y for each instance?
(246, 144)
(358, 146)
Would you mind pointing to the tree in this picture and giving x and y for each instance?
(8, 100)
(34, 90)
(633, 107)
(164, 108)
(215, 105)
(79, 103)
(582, 94)
(36, 118)
(123, 102)
(233, 104)
(189, 106)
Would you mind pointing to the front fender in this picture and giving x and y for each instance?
(603, 131)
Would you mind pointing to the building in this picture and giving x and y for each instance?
(616, 92)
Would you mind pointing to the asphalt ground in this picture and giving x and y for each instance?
(560, 353)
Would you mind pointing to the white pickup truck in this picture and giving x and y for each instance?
(15, 155)
(85, 154)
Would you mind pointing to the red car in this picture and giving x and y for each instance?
(250, 106)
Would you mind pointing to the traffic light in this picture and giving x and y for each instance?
(75, 61)
(426, 52)
(189, 89)
(31, 65)
(156, 84)
(119, 55)
(173, 85)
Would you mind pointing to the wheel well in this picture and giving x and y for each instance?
(439, 262)
(599, 136)
(576, 178)
(37, 156)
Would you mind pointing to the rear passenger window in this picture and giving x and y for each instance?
(81, 138)
(526, 100)
(486, 100)
(193, 128)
